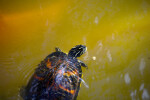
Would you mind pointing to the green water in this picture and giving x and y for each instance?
(116, 33)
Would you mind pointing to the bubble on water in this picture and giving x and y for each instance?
(93, 78)
(113, 36)
(141, 87)
(94, 58)
(99, 67)
(41, 8)
(96, 20)
(109, 55)
(144, 7)
(111, 2)
(133, 94)
(127, 78)
(100, 46)
(100, 43)
(107, 79)
(145, 95)
(142, 65)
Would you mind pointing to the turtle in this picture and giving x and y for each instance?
(57, 77)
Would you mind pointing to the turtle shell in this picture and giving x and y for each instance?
(58, 77)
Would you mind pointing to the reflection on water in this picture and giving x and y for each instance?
(116, 33)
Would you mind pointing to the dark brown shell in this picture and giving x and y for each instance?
(58, 77)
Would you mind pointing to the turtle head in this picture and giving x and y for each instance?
(77, 51)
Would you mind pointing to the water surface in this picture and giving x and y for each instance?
(116, 33)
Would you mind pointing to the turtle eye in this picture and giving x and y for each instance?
(80, 48)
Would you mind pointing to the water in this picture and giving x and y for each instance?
(116, 33)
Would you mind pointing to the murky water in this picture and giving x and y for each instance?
(116, 32)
